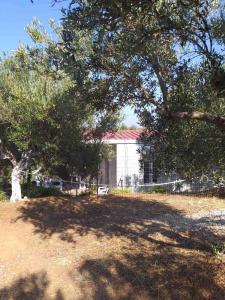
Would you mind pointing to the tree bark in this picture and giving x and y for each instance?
(19, 167)
(199, 116)
(17, 173)
(16, 183)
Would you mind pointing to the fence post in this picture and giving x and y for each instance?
(97, 187)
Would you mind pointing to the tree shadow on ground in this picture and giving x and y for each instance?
(132, 218)
(162, 259)
(165, 275)
(214, 192)
(31, 287)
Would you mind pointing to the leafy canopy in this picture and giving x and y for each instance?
(43, 110)
(164, 58)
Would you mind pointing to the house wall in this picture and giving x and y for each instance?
(124, 168)
(108, 170)
(112, 165)
(128, 166)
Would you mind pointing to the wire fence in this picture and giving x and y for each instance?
(162, 183)
(173, 187)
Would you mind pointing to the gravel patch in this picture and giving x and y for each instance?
(212, 220)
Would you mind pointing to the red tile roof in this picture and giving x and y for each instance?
(128, 134)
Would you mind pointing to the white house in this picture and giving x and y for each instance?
(124, 169)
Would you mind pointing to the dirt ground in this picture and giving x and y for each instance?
(113, 248)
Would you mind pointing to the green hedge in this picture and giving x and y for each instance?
(119, 191)
(32, 191)
(3, 196)
(156, 189)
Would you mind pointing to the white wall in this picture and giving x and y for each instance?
(128, 166)
(107, 174)
(124, 168)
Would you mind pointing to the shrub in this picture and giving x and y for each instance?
(119, 191)
(93, 190)
(219, 178)
(88, 192)
(178, 186)
(3, 196)
(218, 249)
(156, 189)
(32, 191)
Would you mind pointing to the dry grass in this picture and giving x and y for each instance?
(116, 248)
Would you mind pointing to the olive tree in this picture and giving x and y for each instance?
(165, 59)
(44, 118)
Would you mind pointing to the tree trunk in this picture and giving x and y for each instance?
(18, 170)
(199, 116)
(16, 183)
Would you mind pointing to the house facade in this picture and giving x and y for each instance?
(124, 168)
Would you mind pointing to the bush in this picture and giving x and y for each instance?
(32, 191)
(3, 196)
(88, 192)
(218, 249)
(219, 178)
(93, 190)
(178, 186)
(119, 191)
(156, 189)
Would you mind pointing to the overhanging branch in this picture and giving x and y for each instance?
(199, 116)
(5, 154)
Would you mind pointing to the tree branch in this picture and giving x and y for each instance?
(5, 154)
(162, 84)
(200, 116)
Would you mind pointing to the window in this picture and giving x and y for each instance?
(154, 174)
(148, 172)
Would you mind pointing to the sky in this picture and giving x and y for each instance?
(15, 15)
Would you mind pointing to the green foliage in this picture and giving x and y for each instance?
(88, 192)
(28, 93)
(93, 190)
(119, 191)
(191, 147)
(164, 59)
(32, 191)
(78, 144)
(219, 177)
(5, 172)
(178, 186)
(46, 111)
(156, 189)
(131, 127)
(3, 196)
(218, 249)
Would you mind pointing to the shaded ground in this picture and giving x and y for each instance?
(113, 248)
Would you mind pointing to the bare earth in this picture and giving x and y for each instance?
(117, 248)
